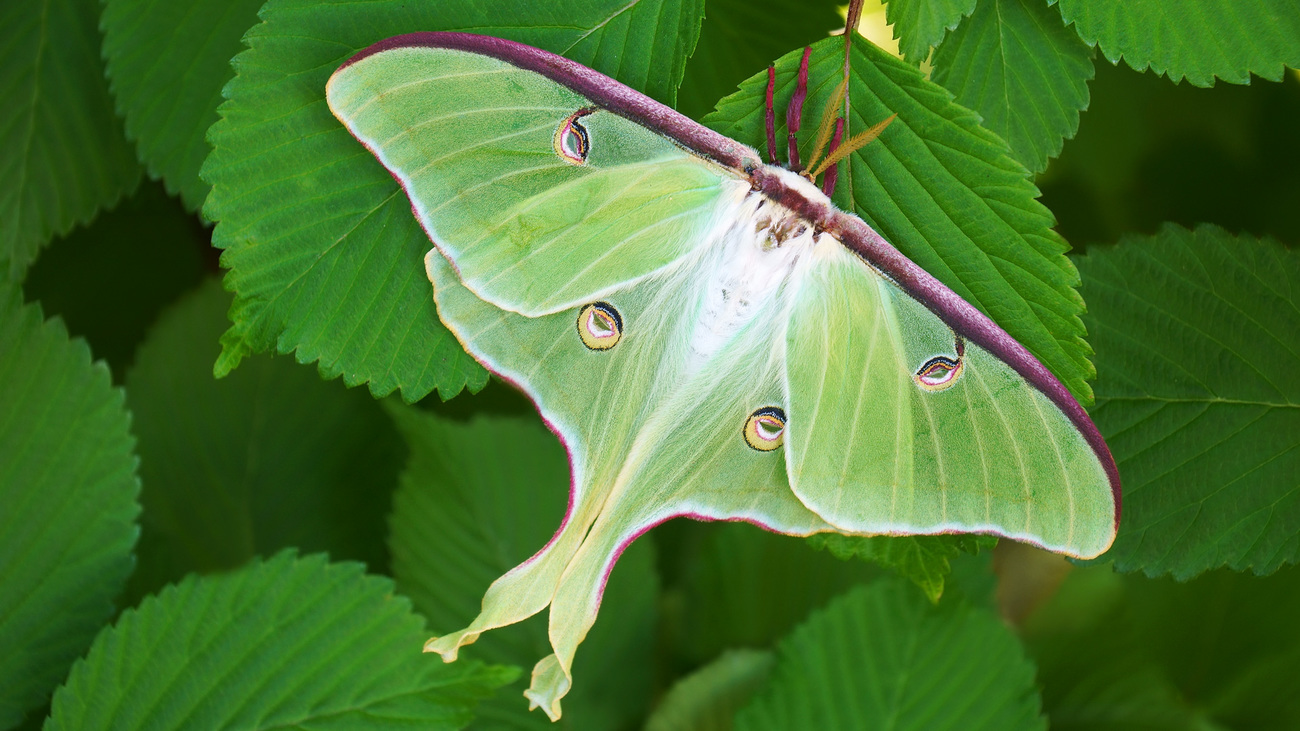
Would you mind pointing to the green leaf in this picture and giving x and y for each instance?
(325, 256)
(944, 191)
(923, 560)
(269, 458)
(739, 38)
(1132, 654)
(139, 257)
(707, 699)
(285, 643)
(62, 152)
(463, 516)
(919, 25)
(746, 588)
(882, 657)
(1016, 63)
(67, 502)
(1195, 331)
(167, 63)
(1201, 40)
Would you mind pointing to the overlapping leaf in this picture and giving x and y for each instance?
(707, 699)
(67, 502)
(919, 25)
(1219, 652)
(167, 62)
(739, 38)
(746, 588)
(1023, 70)
(1197, 40)
(945, 192)
(465, 515)
(268, 458)
(62, 153)
(326, 259)
(1195, 334)
(286, 643)
(883, 657)
(923, 560)
(109, 280)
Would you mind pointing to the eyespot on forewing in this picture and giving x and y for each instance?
(938, 373)
(571, 141)
(765, 429)
(600, 326)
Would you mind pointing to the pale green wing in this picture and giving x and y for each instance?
(651, 435)
(873, 449)
(541, 199)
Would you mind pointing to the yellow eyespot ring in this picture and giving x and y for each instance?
(939, 373)
(600, 326)
(765, 429)
(571, 141)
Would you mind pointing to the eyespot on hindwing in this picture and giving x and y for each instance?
(600, 326)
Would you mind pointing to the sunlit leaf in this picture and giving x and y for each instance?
(1197, 40)
(1195, 334)
(882, 656)
(325, 257)
(1023, 70)
(67, 502)
(464, 515)
(923, 560)
(288, 643)
(945, 192)
(919, 25)
(62, 153)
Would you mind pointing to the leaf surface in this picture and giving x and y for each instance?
(268, 458)
(465, 515)
(923, 560)
(289, 643)
(325, 257)
(1195, 331)
(62, 153)
(739, 38)
(707, 699)
(67, 502)
(882, 657)
(944, 191)
(1023, 70)
(919, 25)
(1197, 40)
(167, 62)
(1124, 653)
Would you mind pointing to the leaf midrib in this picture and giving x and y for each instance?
(1103, 400)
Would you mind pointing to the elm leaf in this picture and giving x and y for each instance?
(63, 156)
(1195, 334)
(1197, 40)
(67, 502)
(324, 255)
(268, 458)
(1023, 70)
(285, 643)
(941, 189)
(919, 25)
(882, 657)
(167, 62)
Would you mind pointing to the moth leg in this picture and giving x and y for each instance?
(794, 112)
(526, 589)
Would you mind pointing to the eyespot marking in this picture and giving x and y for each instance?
(571, 140)
(600, 326)
(765, 429)
(939, 373)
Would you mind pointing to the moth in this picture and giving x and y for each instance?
(707, 333)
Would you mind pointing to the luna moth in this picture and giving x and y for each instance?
(707, 334)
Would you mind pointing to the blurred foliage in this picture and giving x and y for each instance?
(1178, 197)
